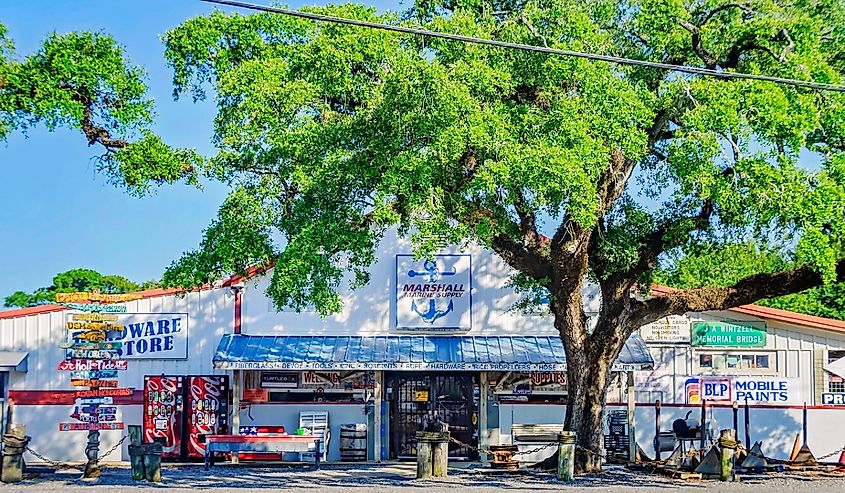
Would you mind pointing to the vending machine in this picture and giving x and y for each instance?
(178, 409)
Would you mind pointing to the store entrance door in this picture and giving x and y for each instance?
(420, 398)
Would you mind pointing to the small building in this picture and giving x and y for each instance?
(425, 340)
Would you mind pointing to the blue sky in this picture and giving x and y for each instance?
(56, 213)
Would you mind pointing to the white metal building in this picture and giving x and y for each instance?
(424, 339)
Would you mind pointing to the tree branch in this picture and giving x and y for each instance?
(743, 292)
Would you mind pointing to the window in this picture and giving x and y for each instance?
(736, 363)
(835, 383)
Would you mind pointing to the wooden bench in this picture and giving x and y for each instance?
(271, 442)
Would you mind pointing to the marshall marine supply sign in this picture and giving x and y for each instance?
(434, 294)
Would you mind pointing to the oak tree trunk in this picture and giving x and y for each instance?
(588, 378)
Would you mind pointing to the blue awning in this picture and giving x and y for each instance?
(461, 353)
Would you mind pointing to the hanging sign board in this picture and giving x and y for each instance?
(94, 317)
(279, 379)
(730, 334)
(104, 393)
(93, 307)
(435, 294)
(92, 354)
(93, 401)
(104, 326)
(98, 297)
(421, 396)
(93, 375)
(94, 346)
(89, 426)
(669, 330)
(93, 383)
(91, 364)
(94, 409)
(256, 395)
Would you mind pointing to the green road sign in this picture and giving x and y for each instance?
(733, 334)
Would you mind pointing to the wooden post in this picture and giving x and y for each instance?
(632, 410)
(747, 427)
(727, 441)
(92, 450)
(378, 389)
(703, 429)
(440, 458)
(14, 442)
(136, 460)
(424, 460)
(152, 466)
(236, 409)
(566, 456)
(657, 429)
(484, 388)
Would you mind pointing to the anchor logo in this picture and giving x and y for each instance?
(431, 271)
(433, 313)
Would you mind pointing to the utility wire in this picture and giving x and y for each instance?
(540, 49)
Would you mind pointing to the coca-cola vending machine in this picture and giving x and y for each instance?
(178, 409)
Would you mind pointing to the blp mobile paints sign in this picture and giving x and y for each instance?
(672, 329)
(756, 390)
(434, 294)
(148, 335)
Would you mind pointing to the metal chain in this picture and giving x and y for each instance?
(483, 451)
(535, 450)
(67, 465)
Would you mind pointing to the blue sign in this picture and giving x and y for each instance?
(434, 294)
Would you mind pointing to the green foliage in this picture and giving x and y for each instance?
(76, 280)
(723, 265)
(83, 81)
(341, 132)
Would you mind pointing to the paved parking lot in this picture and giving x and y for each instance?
(400, 478)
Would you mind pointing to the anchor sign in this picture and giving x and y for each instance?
(431, 271)
(433, 313)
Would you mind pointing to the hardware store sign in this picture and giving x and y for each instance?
(731, 334)
(140, 335)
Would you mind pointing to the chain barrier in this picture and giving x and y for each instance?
(67, 465)
(483, 451)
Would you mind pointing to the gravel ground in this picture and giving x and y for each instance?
(400, 478)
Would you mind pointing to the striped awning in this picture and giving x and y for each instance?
(450, 353)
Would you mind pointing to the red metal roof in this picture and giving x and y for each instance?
(775, 314)
(149, 293)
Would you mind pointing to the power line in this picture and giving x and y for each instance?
(539, 49)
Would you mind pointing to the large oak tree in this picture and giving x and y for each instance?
(570, 170)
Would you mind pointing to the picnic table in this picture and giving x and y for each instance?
(268, 442)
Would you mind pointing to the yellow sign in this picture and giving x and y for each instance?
(102, 298)
(95, 317)
(94, 326)
(421, 396)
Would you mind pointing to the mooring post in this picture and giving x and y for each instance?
(566, 455)
(136, 458)
(424, 459)
(727, 443)
(657, 429)
(14, 444)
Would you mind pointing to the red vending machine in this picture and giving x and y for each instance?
(177, 410)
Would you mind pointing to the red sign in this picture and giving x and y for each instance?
(256, 395)
(89, 426)
(89, 364)
(103, 392)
